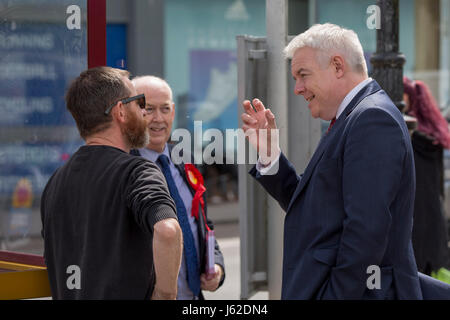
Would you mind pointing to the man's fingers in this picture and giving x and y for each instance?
(270, 119)
(209, 284)
(248, 107)
(251, 130)
(248, 119)
(258, 105)
(245, 128)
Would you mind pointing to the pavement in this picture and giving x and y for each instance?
(227, 235)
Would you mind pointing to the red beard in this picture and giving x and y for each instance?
(135, 131)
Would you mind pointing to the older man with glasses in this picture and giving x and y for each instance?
(109, 224)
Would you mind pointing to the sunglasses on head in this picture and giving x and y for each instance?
(140, 101)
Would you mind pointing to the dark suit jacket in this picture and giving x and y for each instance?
(218, 257)
(352, 207)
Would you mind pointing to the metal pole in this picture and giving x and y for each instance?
(277, 101)
(252, 77)
(146, 52)
(388, 61)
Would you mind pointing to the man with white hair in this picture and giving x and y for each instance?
(193, 276)
(349, 215)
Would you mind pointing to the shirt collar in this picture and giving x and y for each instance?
(152, 155)
(351, 95)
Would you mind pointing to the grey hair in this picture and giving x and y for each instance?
(331, 39)
(149, 80)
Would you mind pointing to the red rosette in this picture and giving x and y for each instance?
(195, 179)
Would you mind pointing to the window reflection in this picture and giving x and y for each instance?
(43, 45)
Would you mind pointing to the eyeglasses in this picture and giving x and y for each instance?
(140, 101)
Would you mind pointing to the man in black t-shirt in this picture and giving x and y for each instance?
(109, 224)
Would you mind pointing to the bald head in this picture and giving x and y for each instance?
(151, 82)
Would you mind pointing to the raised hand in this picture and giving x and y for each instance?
(261, 130)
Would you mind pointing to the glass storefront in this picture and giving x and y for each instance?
(43, 46)
(200, 57)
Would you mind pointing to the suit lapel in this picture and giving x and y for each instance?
(369, 89)
(310, 168)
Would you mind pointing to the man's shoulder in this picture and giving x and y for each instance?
(139, 164)
(134, 157)
(135, 152)
(377, 103)
(380, 113)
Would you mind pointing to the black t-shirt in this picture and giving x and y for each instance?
(98, 212)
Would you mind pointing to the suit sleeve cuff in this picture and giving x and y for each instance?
(270, 169)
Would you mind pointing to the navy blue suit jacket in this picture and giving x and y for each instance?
(352, 207)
